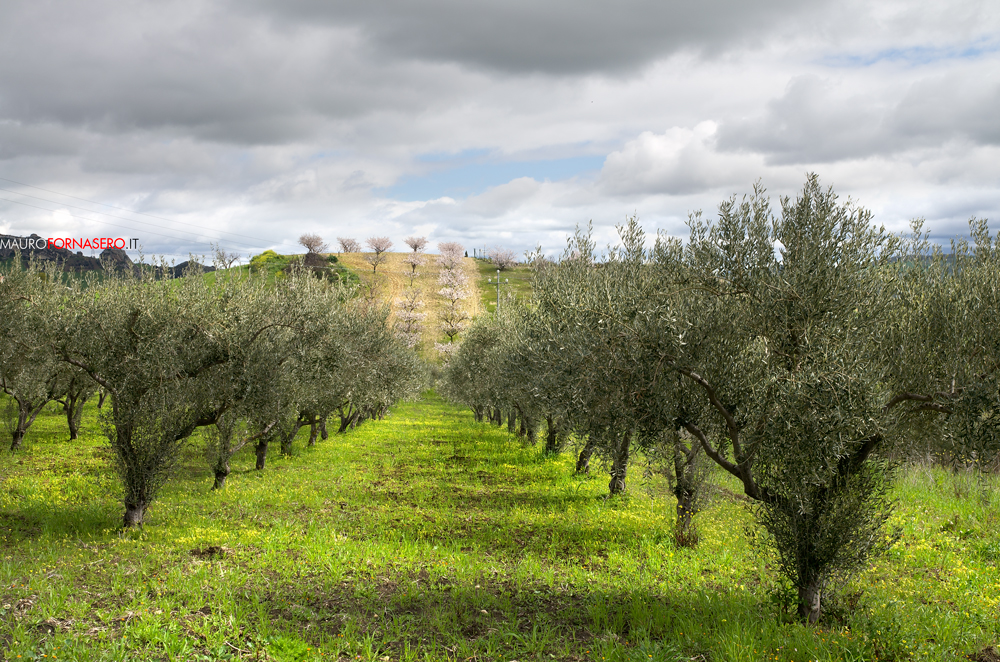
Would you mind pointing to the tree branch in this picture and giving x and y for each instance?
(710, 450)
(734, 432)
(903, 397)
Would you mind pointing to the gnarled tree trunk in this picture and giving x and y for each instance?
(685, 533)
(313, 430)
(686, 485)
(619, 466)
(260, 450)
(809, 601)
(583, 461)
(135, 511)
(27, 412)
(552, 442)
(74, 412)
(221, 474)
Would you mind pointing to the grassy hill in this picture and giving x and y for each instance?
(392, 279)
(427, 536)
(516, 281)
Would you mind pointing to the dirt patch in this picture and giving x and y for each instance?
(211, 552)
(988, 654)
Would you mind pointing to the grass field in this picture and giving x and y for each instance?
(426, 536)
(516, 281)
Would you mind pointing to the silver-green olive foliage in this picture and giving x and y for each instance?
(178, 354)
(161, 348)
(29, 372)
(947, 346)
(793, 346)
(799, 380)
(483, 373)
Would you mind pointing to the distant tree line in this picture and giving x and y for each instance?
(802, 350)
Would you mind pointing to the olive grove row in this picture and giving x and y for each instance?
(802, 350)
(250, 361)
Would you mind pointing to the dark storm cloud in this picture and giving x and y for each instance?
(271, 73)
(194, 69)
(553, 37)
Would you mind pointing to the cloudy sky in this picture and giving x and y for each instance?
(249, 122)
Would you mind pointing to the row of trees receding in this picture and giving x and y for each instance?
(251, 361)
(802, 350)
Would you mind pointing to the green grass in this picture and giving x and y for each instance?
(426, 536)
(518, 282)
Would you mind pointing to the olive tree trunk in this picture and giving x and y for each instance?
(221, 474)
(552, 444)
(583, 461)
(26, 414)
(260, 450)
(313, 430)
(810, 593)
(686, 485)
(619, 466)
(135, 512)
(73, 407)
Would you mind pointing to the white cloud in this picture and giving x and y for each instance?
(271, 119)
(679, 161)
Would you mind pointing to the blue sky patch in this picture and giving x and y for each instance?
(473, 171)
(916, 55)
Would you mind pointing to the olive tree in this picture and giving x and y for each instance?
(160, 348)
(29, 371)
(78, 388)
(946, 352)
(481, 373)
(793, 373)
(598, 374)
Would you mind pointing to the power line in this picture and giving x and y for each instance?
(94, 202)
(104, 213)
(159, 234)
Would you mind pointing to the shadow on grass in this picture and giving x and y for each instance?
(497, 614)
(34, 519)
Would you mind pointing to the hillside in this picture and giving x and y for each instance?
(393, 279)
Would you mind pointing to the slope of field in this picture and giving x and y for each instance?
(515, 281)
(391, 279)
(427, 536)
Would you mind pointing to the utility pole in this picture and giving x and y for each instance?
(489, 280)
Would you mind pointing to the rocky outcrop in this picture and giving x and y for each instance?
(36, 247)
